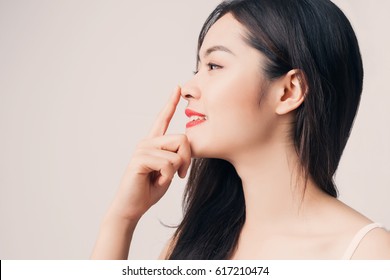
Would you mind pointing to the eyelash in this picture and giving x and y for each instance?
(210, 65)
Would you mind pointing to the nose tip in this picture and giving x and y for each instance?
(185, 93)
(190, 92)
(187, 96)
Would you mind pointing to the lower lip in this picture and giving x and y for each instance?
(194, 123)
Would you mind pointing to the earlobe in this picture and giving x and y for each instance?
(293, 92)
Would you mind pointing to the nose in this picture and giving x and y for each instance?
(190, 90)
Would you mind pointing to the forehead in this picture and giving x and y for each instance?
(226, 31)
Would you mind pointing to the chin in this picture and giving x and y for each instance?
(204, 150)
(208, 147)
(198, 152)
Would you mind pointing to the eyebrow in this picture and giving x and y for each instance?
(215, 49)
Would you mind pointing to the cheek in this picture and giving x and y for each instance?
(234, 124)
(236, 103)
(235, 119)
(238, 124)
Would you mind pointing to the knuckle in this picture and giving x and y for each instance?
(183, 138)
(178, 160)
(167, 165)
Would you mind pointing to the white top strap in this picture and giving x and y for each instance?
(357, 239)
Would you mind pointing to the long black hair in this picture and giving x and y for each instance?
(315, 37)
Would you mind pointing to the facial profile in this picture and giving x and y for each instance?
(227, 119)
(270, 108)
(285, 100)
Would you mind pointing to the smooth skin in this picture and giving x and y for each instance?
(147, 178)
(284, 218)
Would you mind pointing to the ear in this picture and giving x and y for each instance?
(292, 92)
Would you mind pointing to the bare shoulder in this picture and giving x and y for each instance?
(375, 245)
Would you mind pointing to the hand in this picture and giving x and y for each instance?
(152, 167)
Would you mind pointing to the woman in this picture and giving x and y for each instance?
(271, 107)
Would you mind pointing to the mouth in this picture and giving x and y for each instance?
(195, 118)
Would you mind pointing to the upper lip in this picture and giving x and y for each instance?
(189, 113)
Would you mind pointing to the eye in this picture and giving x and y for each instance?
(213, 66)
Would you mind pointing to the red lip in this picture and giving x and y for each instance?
(193, 123)
(190, 113)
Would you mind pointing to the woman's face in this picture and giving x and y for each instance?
(227, 89)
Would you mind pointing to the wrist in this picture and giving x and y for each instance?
(113, 218)
(123, 211)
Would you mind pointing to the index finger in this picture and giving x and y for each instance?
(164, 118)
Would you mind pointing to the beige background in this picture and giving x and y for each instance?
(81, 81)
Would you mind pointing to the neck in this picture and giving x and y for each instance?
(276, 192)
